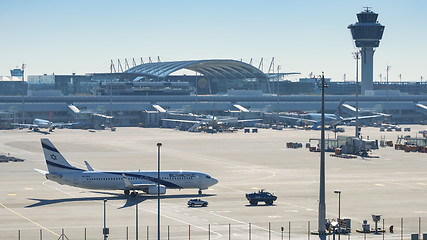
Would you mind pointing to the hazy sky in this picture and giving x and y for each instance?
(61, 37)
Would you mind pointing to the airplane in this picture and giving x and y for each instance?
(60, 171)
(215, 122)
(42, 123)
(332, 120)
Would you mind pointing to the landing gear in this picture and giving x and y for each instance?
(127, 192)
(133, 194)
(200, 191)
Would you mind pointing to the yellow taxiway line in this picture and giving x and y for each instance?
(31, 221)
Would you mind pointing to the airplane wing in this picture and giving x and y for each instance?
(231, 121)
(303, 120)
(250, 120)
(26, 125)
(364, 117)
(179, 120)
(130, 186)
(62, 124)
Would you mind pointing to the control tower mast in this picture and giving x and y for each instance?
(367, 33)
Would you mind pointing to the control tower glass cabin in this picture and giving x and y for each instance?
(367, 33)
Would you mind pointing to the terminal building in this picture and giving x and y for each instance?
(143, 94)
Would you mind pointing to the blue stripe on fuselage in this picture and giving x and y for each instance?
(53, 164)
(53, 149)
(151, 179)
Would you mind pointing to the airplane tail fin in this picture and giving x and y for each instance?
(338, 111)
(56, 163)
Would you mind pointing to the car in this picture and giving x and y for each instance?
(197, 202)
(260, 196)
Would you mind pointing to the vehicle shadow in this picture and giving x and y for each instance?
(130, 201)
(260, 205)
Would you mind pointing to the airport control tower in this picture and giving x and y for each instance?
(367, 33)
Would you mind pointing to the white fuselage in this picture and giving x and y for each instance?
(41, 123)
(113, 180)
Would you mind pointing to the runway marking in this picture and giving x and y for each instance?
(379, 185)
(422, 184)
(31, 221)
(28, 188)
(405, 185)
(291, 211)
(12, 194)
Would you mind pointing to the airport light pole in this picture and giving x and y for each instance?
(356, 55)
(105, 231)
(339, 213)
(387, 69)
(158, 190)
(136, 222)
(322, 204)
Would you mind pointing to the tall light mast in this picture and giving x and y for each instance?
(367, 33)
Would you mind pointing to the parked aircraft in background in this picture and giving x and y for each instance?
(60, 171)
(207, 121)
(332, 120)
(41, 123)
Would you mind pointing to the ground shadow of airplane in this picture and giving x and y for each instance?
(130, 201)
(38, 131)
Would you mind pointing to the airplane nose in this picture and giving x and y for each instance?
(214, 181)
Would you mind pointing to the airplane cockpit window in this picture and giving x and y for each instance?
(207, 176)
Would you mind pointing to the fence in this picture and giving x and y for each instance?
(403, 228)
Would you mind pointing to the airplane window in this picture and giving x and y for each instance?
(208, 176)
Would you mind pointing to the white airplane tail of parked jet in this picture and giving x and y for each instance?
(130, 182)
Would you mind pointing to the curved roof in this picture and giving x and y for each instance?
(209, 68)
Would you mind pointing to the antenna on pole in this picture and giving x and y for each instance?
(142, 61)
(133, 61)
(158, 59)
(149, 60)
(250, 62)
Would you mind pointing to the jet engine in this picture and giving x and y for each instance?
(153, 189)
